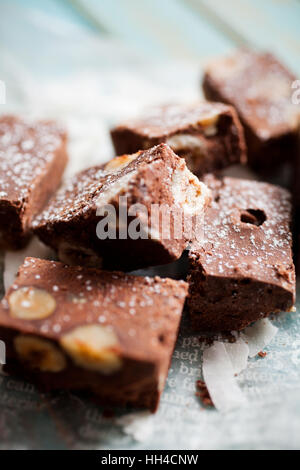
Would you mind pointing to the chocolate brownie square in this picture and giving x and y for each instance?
(33, 158)
(107, 333)
(137, 191)
(208, 135)
(244, 271)
(260, 89)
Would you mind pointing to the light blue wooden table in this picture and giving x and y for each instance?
(174, 29)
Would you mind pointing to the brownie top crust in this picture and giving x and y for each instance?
(247, 232)
(76, 196)
(170, 119)
(25, 151)
(91, 187)
(143, 312)
(259, 86)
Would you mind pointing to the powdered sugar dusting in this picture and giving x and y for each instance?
(142, 308)
(165, 120)
(25, 151)
(14, 259)
(84, 190)
(236, 246)
(260, 88)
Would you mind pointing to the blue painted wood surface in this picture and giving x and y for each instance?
(188, 29)
(180, 29)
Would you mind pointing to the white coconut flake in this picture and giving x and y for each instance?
(139, 425)
(14, 259)
(258, 336)
(238, 353)
(218, 374)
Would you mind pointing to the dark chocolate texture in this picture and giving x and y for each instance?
(107, 333)
(260, 89)
(157, 176)
(32, 159)
(244, 271)
(208, 135)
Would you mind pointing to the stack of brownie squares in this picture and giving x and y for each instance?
(84, 322)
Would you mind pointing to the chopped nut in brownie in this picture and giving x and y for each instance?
(104, 217)
(208, 135)
(76, 328)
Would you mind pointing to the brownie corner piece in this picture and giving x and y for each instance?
(208, 135)
(148, 180)
(260, 88)
(33, 158)
(108, 333)
(244, 271)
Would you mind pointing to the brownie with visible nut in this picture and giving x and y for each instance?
(208, 135)
(244, 271)
(108, 333)
(112, 216)
(33, 158)
(260, 88)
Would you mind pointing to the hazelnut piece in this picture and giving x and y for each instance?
(93, 347)
(31, 303)
(39, 353)
(118, 163)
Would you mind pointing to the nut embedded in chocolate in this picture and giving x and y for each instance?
(116, 164)
(30, 303)
(39, 354)
(75, 221)
(111, 334)
(208, 135)
(93, 347)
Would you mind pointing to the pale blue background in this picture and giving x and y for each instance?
(155, 29)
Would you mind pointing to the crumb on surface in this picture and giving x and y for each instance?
(262, 354)
(203, 393)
